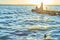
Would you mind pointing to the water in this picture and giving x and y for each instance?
(15, 22)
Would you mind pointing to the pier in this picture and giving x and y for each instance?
(42, 11)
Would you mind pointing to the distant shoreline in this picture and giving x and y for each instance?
(24, 5)
(52, 5)
(17, 5)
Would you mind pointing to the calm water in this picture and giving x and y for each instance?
(15, 22)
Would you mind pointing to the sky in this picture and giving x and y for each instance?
(48, 2)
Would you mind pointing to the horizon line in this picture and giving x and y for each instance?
(30, 4)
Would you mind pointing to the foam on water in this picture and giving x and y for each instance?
(16, 22)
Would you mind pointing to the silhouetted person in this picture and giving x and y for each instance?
(36, 7)
(45, 36)
(46, 8)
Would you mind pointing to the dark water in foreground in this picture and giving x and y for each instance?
(15, 22)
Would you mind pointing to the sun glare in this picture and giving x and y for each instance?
(35, 1)
(46, 2)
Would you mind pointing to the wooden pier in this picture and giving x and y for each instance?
(41, 11)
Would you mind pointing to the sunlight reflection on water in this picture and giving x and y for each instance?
(19, 23)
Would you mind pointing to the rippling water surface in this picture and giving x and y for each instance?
(16, 22)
